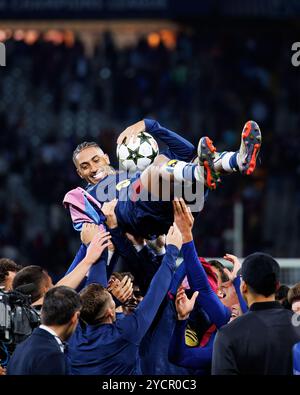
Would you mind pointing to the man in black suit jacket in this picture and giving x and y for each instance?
(42, 353)
(260, 342)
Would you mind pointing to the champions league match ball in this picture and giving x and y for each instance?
(136, 156)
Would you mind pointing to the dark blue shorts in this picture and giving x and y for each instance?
(148, 219)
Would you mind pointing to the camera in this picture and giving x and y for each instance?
(17, 317)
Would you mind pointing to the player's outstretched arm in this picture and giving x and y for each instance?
(136, 325)
(179, 147)
(78, 258)
(179, 353)
(86, 235)
(100, 241)
(207, 298)
(93, 255)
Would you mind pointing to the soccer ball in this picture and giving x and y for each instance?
(138, 155)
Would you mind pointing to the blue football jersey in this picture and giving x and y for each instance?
(137, 211)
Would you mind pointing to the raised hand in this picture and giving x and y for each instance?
(183, 218)
(98, 244)
(108, 210)
(183, 304)
(236, 266)
(174, 237)
(131, 132)
(122, 290)
(88, 232)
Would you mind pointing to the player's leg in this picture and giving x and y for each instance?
(161, 176)
(177, 171)
(209, 164)
(243, 160)
(213, 164)
(154, 182)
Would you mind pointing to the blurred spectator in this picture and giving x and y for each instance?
(294, 298)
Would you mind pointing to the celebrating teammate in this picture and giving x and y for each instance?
(137, 212)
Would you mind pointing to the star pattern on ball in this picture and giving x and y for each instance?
(152, 156)
(147, 139)
(144, 138)
(134, 155)
(138, 155)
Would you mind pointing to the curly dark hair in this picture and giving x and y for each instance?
(7, 265)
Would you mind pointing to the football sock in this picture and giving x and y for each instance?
(184, 171)
(226, 162)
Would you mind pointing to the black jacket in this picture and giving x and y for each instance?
(39, 354)
(259, 342)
